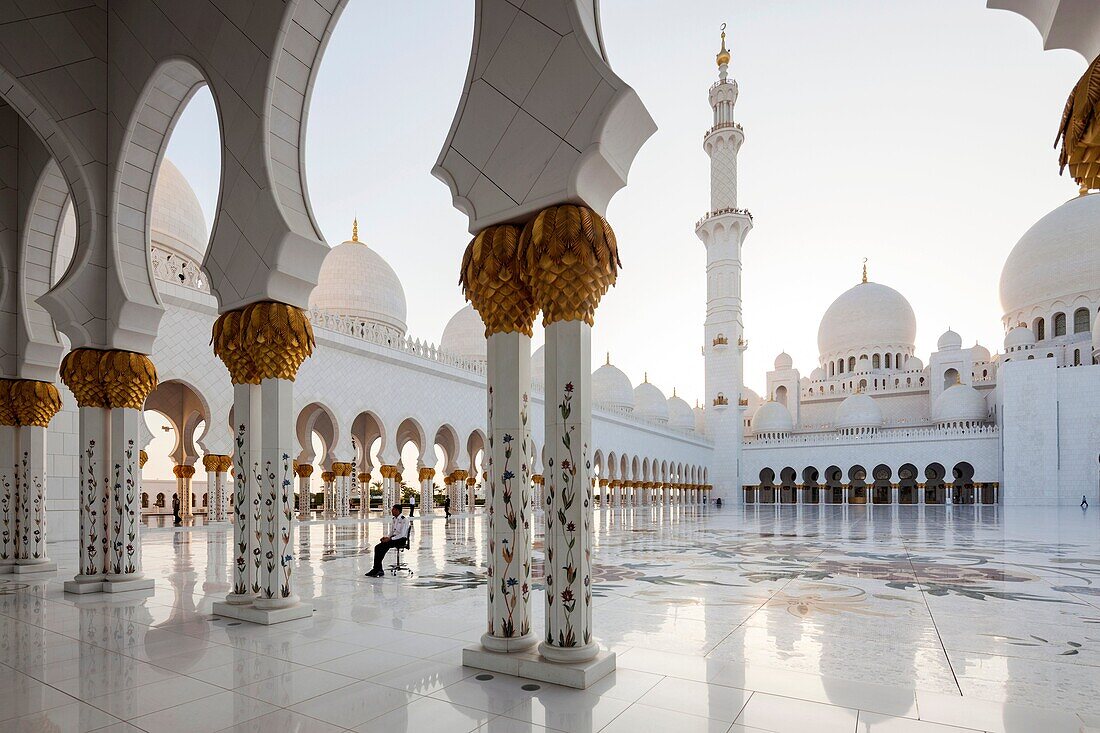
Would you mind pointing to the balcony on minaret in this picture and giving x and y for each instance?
(728, 211)
(724, 126)
(721, 401)
(720, 342)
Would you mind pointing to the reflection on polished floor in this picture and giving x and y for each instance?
(804, 618)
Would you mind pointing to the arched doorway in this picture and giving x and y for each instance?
(963, 485)
(834, 485)
(907, 484)
(881, 489)
(811, 489)
(857, 485)
(767, 486)
(935, 489)
(788, 486)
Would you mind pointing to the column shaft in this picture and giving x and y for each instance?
(276, 485)
(568, 477)
(94, 441)
(9, 498)
(124, 560)
(246, 500)
(30, 552)
(508, 502)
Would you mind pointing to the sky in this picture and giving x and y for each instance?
(915, 133)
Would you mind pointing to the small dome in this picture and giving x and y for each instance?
(914, 364)
(1057, 258)
(611, 387)
(959, 403)
(464, 335)
(772, 417)
(979, 353)
(700, 419)
(949, 340)
(818, 375)
(858, 411)
(355, 281)
(867, 316)
(177, 224)
(650, 402)
(679, 413)
(784, 361)
(538, 366)
(1019, 337)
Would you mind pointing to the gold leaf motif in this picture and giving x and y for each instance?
(492, 281)
(81, 374)
(570, 259)
(128, 378)
(7, 411)
(34, 403)
(1079, 131)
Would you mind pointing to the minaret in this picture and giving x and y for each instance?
(723, 230)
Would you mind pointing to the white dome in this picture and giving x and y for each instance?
(914, 364)
(866, 316)
(650, 402)
(979, 353)
(611, 387)
(949, 340)
(700, 419)
(538, 366)
(818, 375)
(355, 281)
(1019, 337)
(1057, 258)
(959, 403)
(858, 411)
(178, 224)
(784, 361)
(749, 395)
(772, 417)
(465, 335)
(680, 414)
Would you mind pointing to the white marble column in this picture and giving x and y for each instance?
(30, 553)
(124, 571)
(184, 474)
(458, 504)
(471, 494)
(304, 471)
(246, 498)
(9, 503)
(94, 458)
(605, 498)
(508, 501)
(568, 354)
(216, 489)
(427, 491)
(328, 501)
(364, 494)
(276, 486)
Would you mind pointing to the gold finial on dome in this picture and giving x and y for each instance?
(355, 229)
(864, 269)
(608, 362)
(723, 55)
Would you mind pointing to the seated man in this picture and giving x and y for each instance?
(398, 536)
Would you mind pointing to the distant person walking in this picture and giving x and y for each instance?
(447, 507)
(1084, 502)
(176, 518)
(412, 505)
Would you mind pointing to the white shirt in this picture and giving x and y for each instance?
(399, 528)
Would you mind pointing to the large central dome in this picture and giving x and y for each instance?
(864, 318)
(1058, 258)
(178, 224)
(355, 281)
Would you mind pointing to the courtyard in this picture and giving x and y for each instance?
(806, 618)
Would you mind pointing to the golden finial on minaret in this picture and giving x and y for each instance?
(608, 362)
(355, 229)
(645, 377)
(864, 269)
(723, 55)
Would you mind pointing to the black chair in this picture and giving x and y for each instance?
(398, 566)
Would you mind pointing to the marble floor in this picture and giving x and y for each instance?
(832, 618)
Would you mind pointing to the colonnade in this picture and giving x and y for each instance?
(618, 493)
(931, 493)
